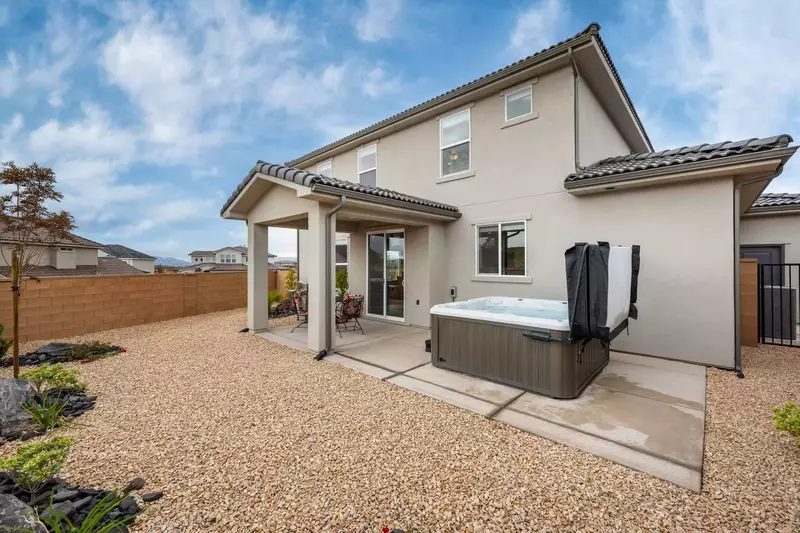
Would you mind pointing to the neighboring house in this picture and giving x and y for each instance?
(71, 256)
(483, 188)
(139, 260)
(236, 255)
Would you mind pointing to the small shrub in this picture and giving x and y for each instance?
(291, 279)
(342, 283)
(97, 521)
(33, 465)
(274, 298)
(91, 351)
(48, 413)
(787, 418)
(49, 376)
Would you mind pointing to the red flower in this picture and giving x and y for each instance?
(385, 530)
(123, 350)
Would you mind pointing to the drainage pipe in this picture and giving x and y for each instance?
(575, 121)
(737, 192)
(328, 268)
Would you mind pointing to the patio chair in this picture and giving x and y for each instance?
(300, 299)
(348, 311)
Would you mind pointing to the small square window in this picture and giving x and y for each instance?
(519, 103)
(325, 169)
(500, 249)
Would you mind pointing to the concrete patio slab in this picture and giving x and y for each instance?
(680, 475)
(655, 362)
(446, 395)
(661, 429)
(364, 368)
(394, 356)
(677, 388)
(487, 391)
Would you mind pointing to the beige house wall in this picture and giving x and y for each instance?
(686, 294)
(145, 265)
(773, 229)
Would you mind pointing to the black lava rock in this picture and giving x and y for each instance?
(152, 496)
(135, 484)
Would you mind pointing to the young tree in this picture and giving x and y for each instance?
(28, 227)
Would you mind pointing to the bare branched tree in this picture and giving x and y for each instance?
(28, 228)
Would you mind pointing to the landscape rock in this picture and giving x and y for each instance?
(55, 352)
(16, 516)
(135, 484)
(14, 420)
(152, 496)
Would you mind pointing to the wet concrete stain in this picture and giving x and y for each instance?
(623, 384)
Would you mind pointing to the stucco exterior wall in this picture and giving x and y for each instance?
(145, 265)
(773, 229)
(237, 255)
(598, 136)
(85, 256)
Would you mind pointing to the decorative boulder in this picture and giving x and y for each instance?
(16, 516)
(14, 420)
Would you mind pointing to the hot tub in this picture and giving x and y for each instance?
(521, 342)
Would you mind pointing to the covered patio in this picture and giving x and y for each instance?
(397, 249)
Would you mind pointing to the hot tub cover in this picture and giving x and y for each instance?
(602, 287)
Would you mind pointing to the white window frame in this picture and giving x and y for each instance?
(468, 111)
(499, 226)
(329, 163)
(528, 88)
(346, 265)
(363, 170)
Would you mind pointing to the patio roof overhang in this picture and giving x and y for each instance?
(310, 186)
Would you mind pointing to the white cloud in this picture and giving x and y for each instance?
(731, 67)
(9, 75)
(537, 27)
(378, 83)
(168, 212)
(380, 19)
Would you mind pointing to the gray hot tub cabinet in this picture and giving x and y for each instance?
(537, 360)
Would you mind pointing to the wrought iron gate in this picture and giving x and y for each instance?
(778, 313)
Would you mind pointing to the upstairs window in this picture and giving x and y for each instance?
(454, 141)
(500, 249)
(368, 166)
(325, 169)
(519, 103)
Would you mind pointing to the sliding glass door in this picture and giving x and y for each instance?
(386, 274)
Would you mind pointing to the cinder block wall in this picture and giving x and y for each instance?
(64, 306)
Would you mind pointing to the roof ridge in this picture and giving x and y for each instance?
(593, 29)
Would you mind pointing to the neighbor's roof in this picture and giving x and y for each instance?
(202, 252)
(778, 199)
(123, 252)
(72, 241)
(625, 164)
(106, 266)
(593, 30)
(333, 185)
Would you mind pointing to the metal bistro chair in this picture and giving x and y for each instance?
(300, 299)
(348, 311)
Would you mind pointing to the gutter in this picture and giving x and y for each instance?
(575, 121)
(328, 268)
(665, 171)
(737, 191)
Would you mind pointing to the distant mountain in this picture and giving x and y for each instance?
(171, 262)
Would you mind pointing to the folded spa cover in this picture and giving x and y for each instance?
(602, 289)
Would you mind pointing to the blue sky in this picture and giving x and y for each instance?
(150, 113)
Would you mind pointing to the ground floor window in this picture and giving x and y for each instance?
(500, 248)
(341, 252)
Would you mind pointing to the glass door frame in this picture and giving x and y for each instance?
(385, 234)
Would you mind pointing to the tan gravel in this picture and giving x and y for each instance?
(246, 435)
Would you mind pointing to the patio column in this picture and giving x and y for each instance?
(438, 280)
(257, 277)
(315, 268)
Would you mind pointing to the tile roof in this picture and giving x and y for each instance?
(680, 156)
(309, 179)
(123, 252)
(779, 199)
(592, 29)
(72, 240)
(202, 252)
(223, 267)
(106, 266)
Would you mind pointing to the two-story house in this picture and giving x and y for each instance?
(482, 189)
(229, 255)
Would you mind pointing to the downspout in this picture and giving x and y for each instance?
(575, 121)
(737, 192)
(328, 268)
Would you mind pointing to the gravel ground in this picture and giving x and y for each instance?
(246, 435)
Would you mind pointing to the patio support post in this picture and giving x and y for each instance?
(258, 277)
(315, 268)
(438, 283)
